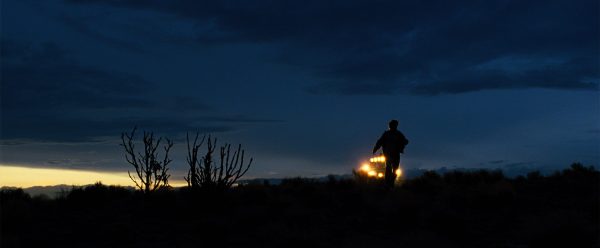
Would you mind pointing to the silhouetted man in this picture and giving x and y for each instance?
(392, 143)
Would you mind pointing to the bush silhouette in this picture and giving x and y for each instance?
(212, 173)
(455, 209)
(151, 172)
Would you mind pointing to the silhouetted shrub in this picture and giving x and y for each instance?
(15, 194)
(193, 177)
(151, 172)
(210, 173)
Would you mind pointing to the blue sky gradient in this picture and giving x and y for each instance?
(306, 86)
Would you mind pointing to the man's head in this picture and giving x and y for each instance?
(393, 124)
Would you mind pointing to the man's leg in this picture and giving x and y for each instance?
(388, 173)
(391, 165)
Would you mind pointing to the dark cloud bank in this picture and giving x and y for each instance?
(418, 47)
(47, 96)
(352, 47)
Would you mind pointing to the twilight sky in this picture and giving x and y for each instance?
(306, 86)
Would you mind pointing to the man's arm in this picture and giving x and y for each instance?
(403, 142)
(378, 144)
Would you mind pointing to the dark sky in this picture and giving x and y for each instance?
(306, 86)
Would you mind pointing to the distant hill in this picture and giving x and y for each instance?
(509, 171)
(51, 191)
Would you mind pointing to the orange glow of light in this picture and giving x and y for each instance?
(365, 167)
(380, 175)
(372, 173)
(398, 172)
(17, 176)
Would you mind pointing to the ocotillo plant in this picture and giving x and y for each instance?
(192, 178)
(150, 172)
(208, 173)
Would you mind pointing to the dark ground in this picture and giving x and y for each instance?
(457, 209)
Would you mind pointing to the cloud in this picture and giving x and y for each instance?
(44, 78)
(82, 26)
(593, 131)
(48, 97)
(418, 47)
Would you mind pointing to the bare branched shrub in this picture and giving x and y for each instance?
(192, 178)
(210, 174)
(151, 173)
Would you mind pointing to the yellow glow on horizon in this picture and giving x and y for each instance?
(17, 176)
